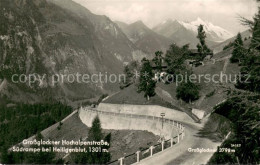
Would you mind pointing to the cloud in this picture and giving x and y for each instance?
(220, 12)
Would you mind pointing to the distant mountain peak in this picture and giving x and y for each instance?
(183, 32)
(199, 20)
(139, 22)
(145, 38)
(139, 25)
(215, 33)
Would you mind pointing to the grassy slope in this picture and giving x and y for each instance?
(130, 96)
(221, 64)
(123, 142)
(206, 103)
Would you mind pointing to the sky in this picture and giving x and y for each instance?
(224, 13)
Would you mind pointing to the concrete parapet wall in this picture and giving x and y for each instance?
(112, 120)
(149, 110)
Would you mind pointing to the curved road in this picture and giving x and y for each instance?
(179, 153)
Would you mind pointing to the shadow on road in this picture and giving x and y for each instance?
(216, 128)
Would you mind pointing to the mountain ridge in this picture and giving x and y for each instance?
(219, 47)
(186, 32)
(217, 34)
(144, 37)
(60, 37)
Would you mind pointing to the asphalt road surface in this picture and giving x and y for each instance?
(179, 154)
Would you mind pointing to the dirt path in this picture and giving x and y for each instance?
(226, 60)
(201, 99)
(226, 64)
(2, 85)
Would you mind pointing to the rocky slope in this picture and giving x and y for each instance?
(59, 37)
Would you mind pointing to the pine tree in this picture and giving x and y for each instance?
(238, 52)
(250, 65)
(146, 82)
(202, 47)
(243, 110)
(255, 42)
(95, 132)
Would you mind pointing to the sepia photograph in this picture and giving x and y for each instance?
(130, 82)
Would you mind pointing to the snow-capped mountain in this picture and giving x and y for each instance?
(214, 33)
(186, 32)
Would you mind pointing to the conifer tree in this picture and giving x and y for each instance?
(100, 157)
(95, 132)
(255, 42)
(238, 52)
(202, 47)
(250, 64)
(146, 82)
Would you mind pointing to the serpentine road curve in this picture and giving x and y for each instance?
(179, 154)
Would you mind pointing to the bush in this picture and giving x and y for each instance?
(188, 92)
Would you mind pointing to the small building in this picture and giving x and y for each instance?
(190, 62)
(164, 66)
(194, 53)
(194, 63)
